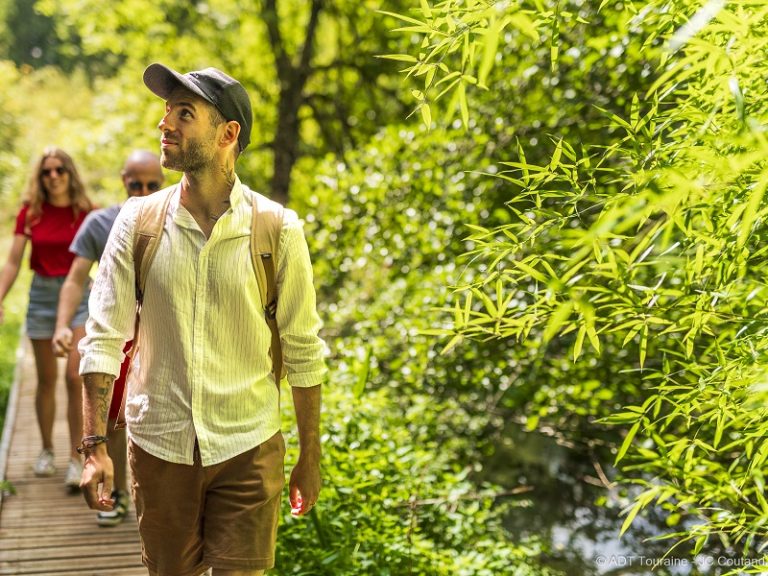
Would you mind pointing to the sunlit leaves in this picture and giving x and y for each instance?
(648, 243)
(459, 46)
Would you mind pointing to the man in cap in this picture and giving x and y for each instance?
(202, 409)
(141, 175)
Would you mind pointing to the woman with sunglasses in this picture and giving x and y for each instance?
(55, 205)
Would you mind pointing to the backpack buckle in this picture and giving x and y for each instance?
(271, 310)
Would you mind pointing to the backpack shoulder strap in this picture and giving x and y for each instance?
(266, 225)
(149, 229)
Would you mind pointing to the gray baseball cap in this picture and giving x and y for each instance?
(211, 84)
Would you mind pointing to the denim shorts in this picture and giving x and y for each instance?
(43, 303)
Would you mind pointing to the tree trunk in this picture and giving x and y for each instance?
(286, 142)
(293, 78)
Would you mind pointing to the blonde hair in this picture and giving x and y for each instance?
(36, 194)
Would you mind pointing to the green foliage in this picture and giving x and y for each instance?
(388, 224)
(642, 250)
(385, 229)
(466, 37)
(30, 37)
(395, 502)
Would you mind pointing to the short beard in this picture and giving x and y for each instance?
(191, 160)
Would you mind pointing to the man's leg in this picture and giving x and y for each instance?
(168, 500)
(242, 510)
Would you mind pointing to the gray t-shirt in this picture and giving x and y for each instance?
(91, 237)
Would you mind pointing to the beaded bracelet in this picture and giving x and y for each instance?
(88, 443)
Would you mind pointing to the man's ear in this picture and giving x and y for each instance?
(229, 134)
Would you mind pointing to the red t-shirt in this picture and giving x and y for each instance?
(51, 236)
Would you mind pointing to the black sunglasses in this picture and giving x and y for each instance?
(136, 186)
(60, 170)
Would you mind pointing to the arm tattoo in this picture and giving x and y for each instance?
(97, 395)
(104, 398)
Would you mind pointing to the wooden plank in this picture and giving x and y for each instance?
(45, 528)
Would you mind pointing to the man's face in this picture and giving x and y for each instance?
(188, 142)
(143, 178)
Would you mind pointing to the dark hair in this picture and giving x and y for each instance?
(216, 117)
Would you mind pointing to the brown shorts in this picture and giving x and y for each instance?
(223, 516)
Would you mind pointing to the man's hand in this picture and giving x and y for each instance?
(305, 485)
(62, 341)
(98, 479)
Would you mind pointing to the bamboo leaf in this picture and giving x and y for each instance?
(630, 517)
(522, 22)
(719, 430)
(487, 302)
(425, 9)
(634, 114)
(627, 442)
(577, 345)
(399, 57)
(455, 341)
(700, 541)
(458, 313)
(751, 211)
(532, 272)
(554, 163)
(463, 104)
(556, 320)
(489, 50)
(402, 17)
(426, 115)
(554, 45)
(592, 333)
(643, 345)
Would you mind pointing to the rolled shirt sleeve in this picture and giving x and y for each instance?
(297, 318)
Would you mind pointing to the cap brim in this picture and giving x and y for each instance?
(162, 81)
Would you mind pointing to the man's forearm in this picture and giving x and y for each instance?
(97, 395)
(72, 291)
(69, 299)
(307, 402)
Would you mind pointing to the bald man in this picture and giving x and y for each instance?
(141, 175)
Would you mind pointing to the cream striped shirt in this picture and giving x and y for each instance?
(203, 367)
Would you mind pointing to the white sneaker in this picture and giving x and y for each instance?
(43, 466)
(74, 472)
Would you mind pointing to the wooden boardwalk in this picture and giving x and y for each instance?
(43, 528)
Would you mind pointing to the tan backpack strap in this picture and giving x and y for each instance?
(266, 226)
(149, 230)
